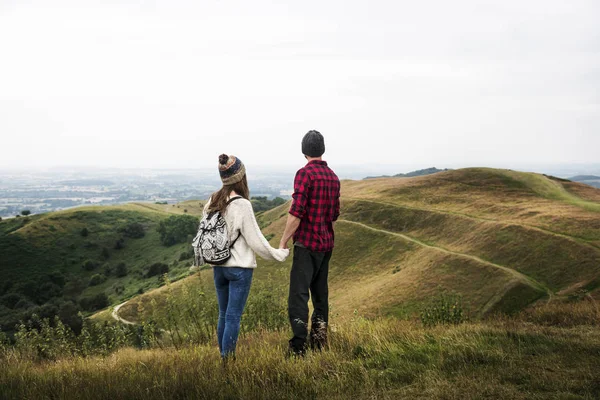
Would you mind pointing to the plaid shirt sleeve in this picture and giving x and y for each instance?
(301, 193)
(336, 207)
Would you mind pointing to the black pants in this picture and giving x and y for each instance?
(309, 274)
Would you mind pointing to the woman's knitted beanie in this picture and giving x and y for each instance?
(313, 144)
(231, 169)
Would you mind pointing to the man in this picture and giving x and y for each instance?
(315, 207)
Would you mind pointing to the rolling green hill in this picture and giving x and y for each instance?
(500, 239)
(84, 259)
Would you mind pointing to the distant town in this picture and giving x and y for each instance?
(58, 189)
(52, 189)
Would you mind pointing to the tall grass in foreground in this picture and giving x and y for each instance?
(186, 318)
(500, 358)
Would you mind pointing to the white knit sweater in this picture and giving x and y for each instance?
(241, 221)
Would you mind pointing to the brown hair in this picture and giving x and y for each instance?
(218, 201)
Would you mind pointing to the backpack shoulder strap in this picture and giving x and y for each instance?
(231, 200)
(239, 234)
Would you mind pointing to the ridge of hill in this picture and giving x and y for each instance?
(500, 239)
(420, 172)
(581, 178)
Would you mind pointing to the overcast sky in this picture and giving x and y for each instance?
(175, 83)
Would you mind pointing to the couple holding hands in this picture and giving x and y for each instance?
(315, 208)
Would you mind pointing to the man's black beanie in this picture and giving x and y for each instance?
(313, 144)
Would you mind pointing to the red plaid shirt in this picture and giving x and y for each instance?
(317, 204)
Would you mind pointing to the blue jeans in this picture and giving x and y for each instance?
(233, 287)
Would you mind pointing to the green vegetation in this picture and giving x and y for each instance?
(261, 203)
(445, 310)
(177, 229)
(52, 260)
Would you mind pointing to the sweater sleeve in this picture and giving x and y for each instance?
(254, 237)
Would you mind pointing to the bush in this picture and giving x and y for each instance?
(84, 232)
(186, 255)
(97, 279)
(104, 253)
(119, 244)
(90, 265)
(10, 300)
(176, 229)
(25, 213)
(134, 230)
(261, 203)
(157, 269)
(94, 303)
(445, 310)
(74, 287)
(69, 315)
(121, 270)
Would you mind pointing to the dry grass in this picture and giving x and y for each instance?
(500, 358)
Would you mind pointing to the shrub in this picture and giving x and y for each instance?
(94, 303)
(134, 230)
(156, 269)
(74, 287)
(121, 270)
(176, 229)
(445, 310)
(90, 265)
(25, 213)
(186, 255)
(97, 279)
(104, 253)
(10, 300)
(69, 315)
(119, 244)
(84, 232)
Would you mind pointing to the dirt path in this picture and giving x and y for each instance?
(516, 274)
(115, 315)
(576, 239)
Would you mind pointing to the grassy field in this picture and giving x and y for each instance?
(551, 351)
(398, 244)
(518, 254)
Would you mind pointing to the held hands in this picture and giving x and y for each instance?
(283, 244)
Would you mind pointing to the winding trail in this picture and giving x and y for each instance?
(518, 276)
(115, 315)
(576, 239)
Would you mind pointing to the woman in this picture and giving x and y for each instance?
(233, 279)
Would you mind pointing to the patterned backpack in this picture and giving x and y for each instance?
(211, 244)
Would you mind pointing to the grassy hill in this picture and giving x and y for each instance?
(495, 242)
(499, 239)
(74, 256)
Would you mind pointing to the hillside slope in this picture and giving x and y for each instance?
(500, 239)
(83, 258)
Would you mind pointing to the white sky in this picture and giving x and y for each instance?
(175, 83)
